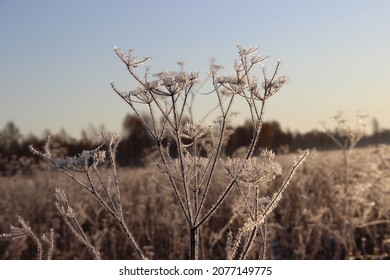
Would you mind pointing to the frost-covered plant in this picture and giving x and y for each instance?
(189, 152)
(198, 147)
(25, 231)
(250, 175)
(346, 137)
(107, 193)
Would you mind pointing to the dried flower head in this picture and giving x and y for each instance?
(129, 59)
(231, 80)
(194, 131)
(82, 162)
(246, 52)
(260, 169)
(273, 86)
(174, 82)
(349, 135)
(346, 131)
(192, 165)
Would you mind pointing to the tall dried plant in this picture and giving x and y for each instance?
(107, 193)
(191, 173)
(346, 138)
(190, 151)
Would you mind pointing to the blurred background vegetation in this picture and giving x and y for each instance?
(136, 149)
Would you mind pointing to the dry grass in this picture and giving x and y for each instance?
(312, 220)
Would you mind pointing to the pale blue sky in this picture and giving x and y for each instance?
(57, 59)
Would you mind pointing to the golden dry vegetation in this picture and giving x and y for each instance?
(318, 217)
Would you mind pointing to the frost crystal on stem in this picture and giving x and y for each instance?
(82, 162)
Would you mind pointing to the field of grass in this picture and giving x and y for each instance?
(320, 215)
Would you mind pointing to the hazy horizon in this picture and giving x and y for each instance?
(57, 59)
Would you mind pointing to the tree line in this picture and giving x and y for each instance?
(136, 148)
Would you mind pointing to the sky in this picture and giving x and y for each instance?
(57, 59)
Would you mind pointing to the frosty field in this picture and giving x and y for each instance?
(317, 217)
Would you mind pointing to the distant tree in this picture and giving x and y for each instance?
(271, 137)
(136, 142)
(90, 134)
(10, 138)
(241, 137)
